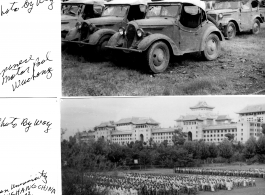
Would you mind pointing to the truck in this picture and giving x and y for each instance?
(170, 28)
(78, 10)
(237, 16)
(95, 33)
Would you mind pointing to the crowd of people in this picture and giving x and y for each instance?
(258, 173)
(152, 184)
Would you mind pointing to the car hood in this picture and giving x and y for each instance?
(221, 11)
(101, 21)
(154, 22)
(65, 18)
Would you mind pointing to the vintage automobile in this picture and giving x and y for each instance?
(76, 10)
(96, 32)
(171, 27)
(237, 16)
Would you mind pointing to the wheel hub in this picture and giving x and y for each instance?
(158, 57)
(255, 27)
(211, 47)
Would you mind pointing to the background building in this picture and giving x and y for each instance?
(202, 123)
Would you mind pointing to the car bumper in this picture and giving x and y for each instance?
(125, 49)
(76, 42)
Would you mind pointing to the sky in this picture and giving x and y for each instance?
(85, 113)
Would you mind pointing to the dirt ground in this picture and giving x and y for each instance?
(239, 70)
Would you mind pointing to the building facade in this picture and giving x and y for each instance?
(202, 123)
(250, 122)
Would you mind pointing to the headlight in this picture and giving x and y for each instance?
(78, 25)
(140, 32)
(122, 31)
(220, 16)
(92, 27)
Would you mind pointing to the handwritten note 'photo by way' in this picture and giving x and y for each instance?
(30, 60)
(29, 146)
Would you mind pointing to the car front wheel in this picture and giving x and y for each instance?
(101, 49)
(212, 47)
(230, 30)
(158, 56)
(256, 27)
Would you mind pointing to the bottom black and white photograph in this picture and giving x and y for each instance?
(163, 145)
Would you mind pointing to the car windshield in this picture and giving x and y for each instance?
(164, 10)
(227, 5)
(115, 10)
(71, 10)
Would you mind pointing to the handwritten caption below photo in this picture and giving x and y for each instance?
(26, 71)
(26, 123)
(35, 183)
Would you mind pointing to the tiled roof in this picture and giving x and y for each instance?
(190, 118)
(121, 133)
(201, 104)
(217, 127)
(223, 117)
(253, 108)
(137, 121)
(106, 124)
(163, 130)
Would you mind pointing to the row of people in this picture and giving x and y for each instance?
(151, 184)
(258, 173)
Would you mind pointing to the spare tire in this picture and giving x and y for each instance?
(211, 19)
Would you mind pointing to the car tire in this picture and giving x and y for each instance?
(101, 50)
(212, 47)
(256, 27)
(157, 57)
(230, 31)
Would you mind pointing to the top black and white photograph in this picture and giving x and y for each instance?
(162, 47)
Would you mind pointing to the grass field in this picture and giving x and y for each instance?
(239, 70)
(258, 190)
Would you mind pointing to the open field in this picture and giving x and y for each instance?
(239, 70)
(258, 190)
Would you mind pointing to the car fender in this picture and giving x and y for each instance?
(257, 17)
(73, 34)
(114, 39)
(150, 39)
(207, 32)
(225, 21)
(96, 36)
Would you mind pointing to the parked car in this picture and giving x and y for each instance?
(96, 32)
(76, 10)
(171, 27)
(237, 16)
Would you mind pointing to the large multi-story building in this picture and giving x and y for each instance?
(202, 123)
(250, 122)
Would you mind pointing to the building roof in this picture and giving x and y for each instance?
(223, 117)
(190, 118)
(199, 3)
(92, 2)
(107, 124)
(137, 121)
(128, 2)
(253, 108)
(218, 127)
(163, 130)
(121, 133)
(202, 104)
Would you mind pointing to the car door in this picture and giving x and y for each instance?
(245, 16)
(190, 27)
